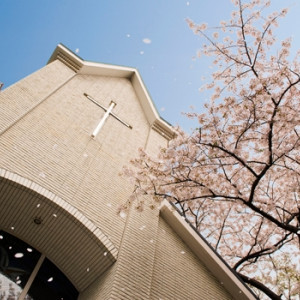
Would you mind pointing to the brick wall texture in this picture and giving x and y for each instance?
(45, 135)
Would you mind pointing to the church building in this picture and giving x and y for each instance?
(66, 131)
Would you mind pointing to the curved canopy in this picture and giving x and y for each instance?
(55, 228)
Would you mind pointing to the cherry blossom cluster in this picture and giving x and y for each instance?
(237, 176)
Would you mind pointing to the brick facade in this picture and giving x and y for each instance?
(46, 123)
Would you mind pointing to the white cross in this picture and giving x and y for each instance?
(108, 111)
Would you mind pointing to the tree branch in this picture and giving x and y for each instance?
(260, 286)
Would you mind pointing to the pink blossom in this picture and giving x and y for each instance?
(236, 177)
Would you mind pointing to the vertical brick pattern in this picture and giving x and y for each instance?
(23, 95)
(154, 142)
(101, 288)
(136, 256)
(52, 146)
(178, 273)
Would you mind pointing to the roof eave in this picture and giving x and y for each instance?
(83, 67)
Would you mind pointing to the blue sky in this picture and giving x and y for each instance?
(150, 35)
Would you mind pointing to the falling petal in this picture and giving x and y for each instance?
(122, 214)
(147, 41)
(19, 255)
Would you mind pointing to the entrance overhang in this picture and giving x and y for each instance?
(55, 228)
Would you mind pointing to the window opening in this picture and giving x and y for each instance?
(23, 268)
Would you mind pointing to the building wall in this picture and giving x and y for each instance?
(155, 142)
(101, 288)
(56, 136)
(178, 273)
(45, 135)
(21, 97)
(46, 124)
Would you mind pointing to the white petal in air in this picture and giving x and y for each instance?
(122, 214)
(147, 41)
(19, 255)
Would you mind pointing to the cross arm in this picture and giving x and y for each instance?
(108, 111)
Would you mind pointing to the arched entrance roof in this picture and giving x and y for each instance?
(54, 227)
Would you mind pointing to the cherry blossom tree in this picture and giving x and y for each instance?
(237, 176)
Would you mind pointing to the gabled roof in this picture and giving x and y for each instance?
(199, 246)
(232, 283)
(81, 66)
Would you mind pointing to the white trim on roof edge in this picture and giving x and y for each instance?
(205, 253)
(81, 66)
